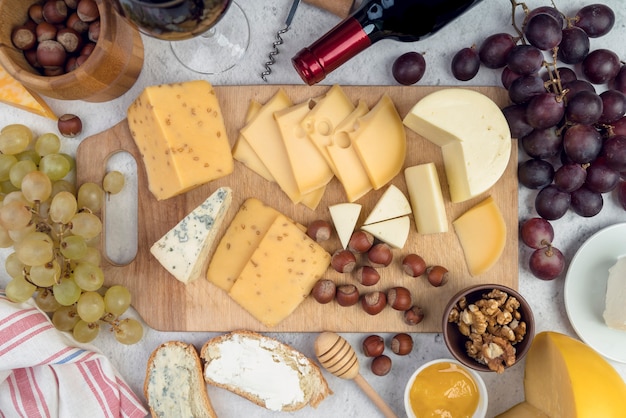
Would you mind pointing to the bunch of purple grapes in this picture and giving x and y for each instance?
(573, 134)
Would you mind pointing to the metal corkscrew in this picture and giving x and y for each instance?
(279, 40)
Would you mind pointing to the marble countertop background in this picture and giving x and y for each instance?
(372, 67)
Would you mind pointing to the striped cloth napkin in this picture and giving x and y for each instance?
(45, 373)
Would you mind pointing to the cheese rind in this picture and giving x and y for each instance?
(392, 204)
(180, 133)
(345, 217)
(280, 273)
(392, 231)
(429, 210)
(243, 235)
(614, 314)
(482, 234)
(473, 134)
(183, 250)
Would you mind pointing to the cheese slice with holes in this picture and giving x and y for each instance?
(243, 152)
(184, 249)
(473, 134)
(13, 93)
(392, 204)
(392, 231)
(345, 217)
(482, 234)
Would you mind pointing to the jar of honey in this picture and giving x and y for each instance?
(445, 389)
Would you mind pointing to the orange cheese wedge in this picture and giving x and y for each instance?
(13, 93)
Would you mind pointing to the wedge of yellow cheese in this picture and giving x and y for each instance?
(13, 93)
(429, 210)
(180, 133)
(482, 235)
(280, 272)
(565, 378)
(243, 152)
(243, 235)
(380, 142)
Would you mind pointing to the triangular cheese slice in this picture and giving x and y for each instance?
(13, 93)
(392, 204)
(392, 231)
(345, 217)
(243, 152)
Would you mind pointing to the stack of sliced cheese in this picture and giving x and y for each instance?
(266, 262)
(303, 146)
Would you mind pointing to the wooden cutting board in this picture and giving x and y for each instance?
(166, 304)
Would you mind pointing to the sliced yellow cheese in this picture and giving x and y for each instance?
(280, 273)
(321, 121)
(482, 234)
(429, 210)
(312, 199)
(243, 152)
(13, 93)
(380, 142)
(473, 134)
(243, 235)
(180, 133)
(345, 161)
(345, 217)
(264, 137)
(392, 204)
(310, 169)
(565, 378)
(392, 231)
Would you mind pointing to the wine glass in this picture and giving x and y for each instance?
(206, 36)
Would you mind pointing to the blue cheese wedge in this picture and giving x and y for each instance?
(183, 250)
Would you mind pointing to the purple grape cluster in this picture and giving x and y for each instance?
(573, 134)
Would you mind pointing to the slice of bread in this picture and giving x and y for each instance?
(174, 386)
(263, 370)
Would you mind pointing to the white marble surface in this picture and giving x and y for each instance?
(371, 67)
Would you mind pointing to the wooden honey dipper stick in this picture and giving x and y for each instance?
(339, 358)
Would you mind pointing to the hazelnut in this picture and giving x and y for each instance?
(437, 275)
(413, 265)
(94, 31)
(51, 54)
(381, 365)
(69, 125)
(324, 291)
(35, 12)
(71, 64)
(343, 261)
(23, 38)
(87, 49)
(367, 275)
(373, 346)
(53, 71)
(413, 316)
(31, 57)
(87, 10)
(72, 4)
(402, 344)
(70, 39)
(319, 230)
(380, 255)
(74, 22)
(45, 31)
(360, 242)
(374, 302)
(54, 11)
(399, 298)
(347, 295)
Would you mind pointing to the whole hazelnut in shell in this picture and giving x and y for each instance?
(360, 242)
(380, 255)
(343, 261)
(399, 298)
(373, 346)
(324, 291)
(381, 365)
(347, 295)
(374, 302)
(367, 275)
(413, 265)
(402, 344)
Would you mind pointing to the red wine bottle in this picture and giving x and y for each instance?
(401, 20)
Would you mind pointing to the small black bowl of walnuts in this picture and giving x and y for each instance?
(488, 327)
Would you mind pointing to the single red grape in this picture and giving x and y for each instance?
(595, 19)
(495, 49)
(409, 68)
(537, 233)
(547, 263)
(465, 64)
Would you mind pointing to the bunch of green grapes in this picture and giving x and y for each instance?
(53, 229)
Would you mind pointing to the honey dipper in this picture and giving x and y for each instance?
(337, 356)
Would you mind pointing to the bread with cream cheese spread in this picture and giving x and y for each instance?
(263, 370)
(174, 386)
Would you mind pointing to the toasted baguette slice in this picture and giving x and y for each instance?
(263, 370)
(174, 386)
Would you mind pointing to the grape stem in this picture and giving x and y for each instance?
(514, 5)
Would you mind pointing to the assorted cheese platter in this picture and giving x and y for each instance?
(199, 305)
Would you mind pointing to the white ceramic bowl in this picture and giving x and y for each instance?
(483, 402)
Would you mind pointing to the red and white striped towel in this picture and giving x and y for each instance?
(45, 373)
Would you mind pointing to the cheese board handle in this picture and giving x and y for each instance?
(374, 396)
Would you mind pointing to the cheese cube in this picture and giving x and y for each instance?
(241, 238)
(184, 249)
(280, 273)
(180, 133)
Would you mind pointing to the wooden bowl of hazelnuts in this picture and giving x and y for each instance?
(69, 49)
